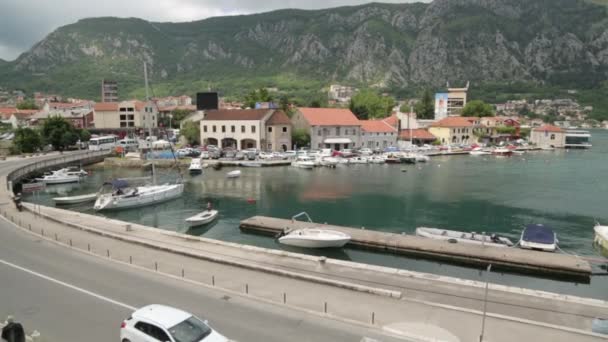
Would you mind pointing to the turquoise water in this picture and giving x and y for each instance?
(564, 189)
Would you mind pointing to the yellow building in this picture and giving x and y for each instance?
(459, 130)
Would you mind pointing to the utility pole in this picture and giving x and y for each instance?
(485, 304)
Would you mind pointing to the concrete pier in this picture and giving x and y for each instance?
(525, 261)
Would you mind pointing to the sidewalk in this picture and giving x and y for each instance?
(377, 309)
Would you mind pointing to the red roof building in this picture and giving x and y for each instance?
(335, 128)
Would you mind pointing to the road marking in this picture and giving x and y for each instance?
(70, 286)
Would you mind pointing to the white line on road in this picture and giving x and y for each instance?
(73, 287)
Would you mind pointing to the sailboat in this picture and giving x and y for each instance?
(124, 196)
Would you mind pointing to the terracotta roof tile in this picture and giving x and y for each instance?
(419, 133)
(454, 121)
(279, 118)
(236, 114)
(392, 120)
(548, 128)
(329, 117)
(376, 126)
(106, 107)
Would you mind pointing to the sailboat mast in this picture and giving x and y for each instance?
(410, 126)
(147, 121)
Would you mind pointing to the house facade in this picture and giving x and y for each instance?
(548, 136)
(265, 129)
(377, 134)
(126, 115)
(334, 128)
(455, 130)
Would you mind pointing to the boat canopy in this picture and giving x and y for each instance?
(118, 183)
(539, 233)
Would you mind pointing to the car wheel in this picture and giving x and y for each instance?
(126, 340)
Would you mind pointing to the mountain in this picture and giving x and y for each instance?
(391, 46)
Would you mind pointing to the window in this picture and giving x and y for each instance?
(252, 129)
(152, 331)
(223, 129)
(337, 130)
(131, 117)
(123, 117)
(214, 129)
(232, 128)
(384, 133)
(152, 117)
(552, 136)
(123, 109)
(284, 129)
(243, 129)
(270, 147)
(123, 124)
(130, 109)
(319, 144)
(131, 124)
(269, 129)
(205, 128)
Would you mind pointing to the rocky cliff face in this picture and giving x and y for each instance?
(375, 44)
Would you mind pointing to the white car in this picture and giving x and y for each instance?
(160, 323)
(265, 155)
(366, 151)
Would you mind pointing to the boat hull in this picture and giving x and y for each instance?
(202, 218)
(146, 197)
(311, 243)
(75, 199)
(461, 237)
(63, 180)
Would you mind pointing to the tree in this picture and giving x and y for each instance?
(477, 108)
(425, 108)
(192, 132)
(367, 104)
(85, 135)
(260, 95)
(27, 140)
(27, 104)
(300, 137)
(58, 132)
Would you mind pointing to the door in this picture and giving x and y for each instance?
(146, 332)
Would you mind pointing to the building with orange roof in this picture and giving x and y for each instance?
(335, 128)
(548, 136)
(460, 130)
(377, 134)
(126, 115)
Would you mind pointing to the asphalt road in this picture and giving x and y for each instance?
(70, 296)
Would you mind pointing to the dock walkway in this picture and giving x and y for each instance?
(549, 264)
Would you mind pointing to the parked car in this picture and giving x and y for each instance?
(154, 323)
(229, 154)
(265, 155)
(205, 155)
(215, 154)
(240, 155)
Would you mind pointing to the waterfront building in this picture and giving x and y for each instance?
(548, 136)
(265, 129)
(577, 139)
(335, 128)
(109, 91)
(459, 130)
(377, 134)
(418, 137)
(126, 115)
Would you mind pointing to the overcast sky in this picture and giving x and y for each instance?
(25, 22)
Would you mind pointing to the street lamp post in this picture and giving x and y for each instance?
(485, 304)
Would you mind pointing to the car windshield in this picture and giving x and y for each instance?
(190, 330)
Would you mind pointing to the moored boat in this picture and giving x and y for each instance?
(63, 176)
(303, 162)
(123, 196)
(502, 151)
(75, 199)
(195, 166)
(315, 238)
(601, 236)
(494, 240)
(234, 174)
(478, 151)
(202, 218)
(538, 237)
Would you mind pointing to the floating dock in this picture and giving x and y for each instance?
(514, 259)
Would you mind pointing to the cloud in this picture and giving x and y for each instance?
(25, 22)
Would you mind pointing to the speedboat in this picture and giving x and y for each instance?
(202, 218)
(123, 196)
(376, 160)
(392, 158)
(329, 161)
(315, 238)
(601, 236)
(304, 162)
(195, 166)
(538, 237)
(471, 238)
(502, 151)
(478, 151)
(75, 199)
(358, 160)
(408, 158)
(421, 158)
(63, 176)
(234, 174)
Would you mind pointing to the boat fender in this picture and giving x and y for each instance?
(452, 241)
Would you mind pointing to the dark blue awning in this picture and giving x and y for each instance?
(539, 233)
(118, 183)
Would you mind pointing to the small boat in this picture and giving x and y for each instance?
(456, 236)
(329, 161)
(123, 196)
(601, 236)
(547, 148)
(358, 160)
(303, 162)
(202, 218)
(234, 174)
(251, 164)
(376, 160)
(518, 152)
(538, 237)
(421, 158)
(195, 166)
(315, 238)
(502, 151)
(392, 159)
(75, 199)
(478, 151)
(63, 176)
(408, 158)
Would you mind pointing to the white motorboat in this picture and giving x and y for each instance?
(234, 174)
(202, 218)
(502, 151)
(195, 166)
(478, 151)
(343, 160)
(315, 238)
(329, 161)
(75, 199)
(547, 148)
(470, 238)
(303, 162)
(63, 176)
(538, 237)
(519, 152)
(601, 236)
(358, 160)
(421, 158)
